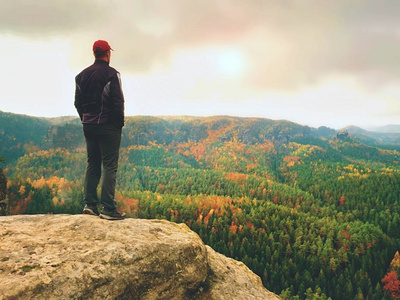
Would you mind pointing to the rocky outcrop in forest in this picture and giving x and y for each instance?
(84, 257)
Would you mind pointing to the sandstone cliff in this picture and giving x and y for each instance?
(85, 257)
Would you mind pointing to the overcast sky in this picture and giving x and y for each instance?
(314, 62)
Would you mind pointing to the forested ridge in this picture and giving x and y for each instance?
(313, 213)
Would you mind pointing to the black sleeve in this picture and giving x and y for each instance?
(78, 99)
(117, 98)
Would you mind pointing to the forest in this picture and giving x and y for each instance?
(314, 213)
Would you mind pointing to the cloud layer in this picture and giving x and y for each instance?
(289, 43)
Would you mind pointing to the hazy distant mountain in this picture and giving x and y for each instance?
(21, 134)
(387, 128)
(376, 138)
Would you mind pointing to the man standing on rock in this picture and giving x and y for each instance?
(100, 104)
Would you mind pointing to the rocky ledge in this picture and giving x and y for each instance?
(85, 257)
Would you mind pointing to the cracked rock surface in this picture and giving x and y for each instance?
(85, 257)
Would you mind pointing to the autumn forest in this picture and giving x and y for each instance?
(313, 211)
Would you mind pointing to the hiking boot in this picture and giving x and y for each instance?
(90, 210)
(112, 215)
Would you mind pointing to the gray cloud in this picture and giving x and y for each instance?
(289, 44)
(41, 18)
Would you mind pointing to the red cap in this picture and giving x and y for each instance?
(101, 46)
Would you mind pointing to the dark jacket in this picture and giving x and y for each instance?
(98, 95)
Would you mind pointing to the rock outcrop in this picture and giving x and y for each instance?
(342, 134)
(85, 257)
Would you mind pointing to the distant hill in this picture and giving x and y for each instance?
(376, 138)
(388, 128)
(20, 134)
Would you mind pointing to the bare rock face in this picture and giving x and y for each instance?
(85, 257)
(231, 279)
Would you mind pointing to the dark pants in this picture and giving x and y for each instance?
(102, 143)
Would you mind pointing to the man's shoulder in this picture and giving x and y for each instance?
(104, 69)
(107, 69)
(113, 70)
(83, 71)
